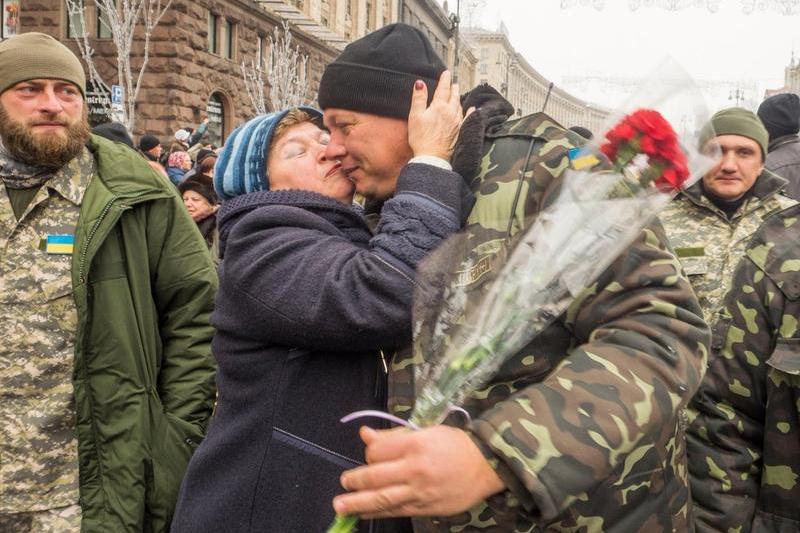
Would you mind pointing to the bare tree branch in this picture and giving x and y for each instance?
(286, 71)
(254, 82)
(75, 10)
(123, 17)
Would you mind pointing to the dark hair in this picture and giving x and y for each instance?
(207, 165)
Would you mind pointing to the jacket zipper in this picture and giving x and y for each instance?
(380, 379)
(90, 236)
(517, 194)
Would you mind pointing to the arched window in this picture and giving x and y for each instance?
(218, 113)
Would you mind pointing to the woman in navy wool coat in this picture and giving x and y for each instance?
(309, 301)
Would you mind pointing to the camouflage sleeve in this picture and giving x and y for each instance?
(184, 282)
(640, 349)
(725, 437)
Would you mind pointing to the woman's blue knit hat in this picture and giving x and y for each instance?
(242, 165)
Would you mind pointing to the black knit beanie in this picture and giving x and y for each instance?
(148, 142)
(376, 73)
(780, 114)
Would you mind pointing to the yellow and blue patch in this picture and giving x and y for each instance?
(59, 244)
(581, 158)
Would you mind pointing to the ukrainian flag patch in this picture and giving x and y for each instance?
(580, 159)
(59, 244)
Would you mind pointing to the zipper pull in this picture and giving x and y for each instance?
(381, 377)
(383, 360)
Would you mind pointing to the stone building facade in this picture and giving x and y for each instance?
(499, 65)
(198, 48)
(791, 80)
(196, 52)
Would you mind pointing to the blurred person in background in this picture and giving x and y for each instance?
(178, 164)
(202, 204)
(781, 116)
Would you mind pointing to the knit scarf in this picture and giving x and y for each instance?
(16, 175)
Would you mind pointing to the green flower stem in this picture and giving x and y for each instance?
(344, 524)
(429, 409)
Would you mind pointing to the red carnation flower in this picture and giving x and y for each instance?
(646, 131)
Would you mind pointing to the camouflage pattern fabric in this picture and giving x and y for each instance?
(582, 424)
(709, 245)
(744, 444)
(60, 520)
(38, 443)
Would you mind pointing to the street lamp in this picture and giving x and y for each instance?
(736, 94)
(455, 21)
(510, 63)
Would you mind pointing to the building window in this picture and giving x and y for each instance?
(325, 12)
(10, 18)
(216, 113)
(226, 39)
(482, 69)
(369, 17)
(260, 51)
(484, 53)
(103, 26)
(213, 45)
(75, 23)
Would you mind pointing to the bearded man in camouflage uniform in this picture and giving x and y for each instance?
(710, 223)
(744, 444)
(577, 432)
(106, 377)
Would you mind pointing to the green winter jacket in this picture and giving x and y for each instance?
(144, 284)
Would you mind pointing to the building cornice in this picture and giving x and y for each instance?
(435, 10)
(478, 35)
(301, 22)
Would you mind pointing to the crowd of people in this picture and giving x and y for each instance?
(185, 327)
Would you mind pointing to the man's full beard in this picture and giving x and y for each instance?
(42, 150)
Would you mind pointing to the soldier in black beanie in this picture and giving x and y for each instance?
(367, 94)
(529, 455)
(781, 116)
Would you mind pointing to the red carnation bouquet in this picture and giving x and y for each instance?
(646, 132)
(609, 193)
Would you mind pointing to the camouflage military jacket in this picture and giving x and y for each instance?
(708, 244)
(582, 424)
(744, 444)
(38, 446)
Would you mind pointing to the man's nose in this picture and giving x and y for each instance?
(49, 101)
(729, 161)
(335, 148)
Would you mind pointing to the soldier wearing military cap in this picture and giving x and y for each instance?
(710, 223)
(580, 430)
(106, 376)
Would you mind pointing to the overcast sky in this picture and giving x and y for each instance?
(720, 50)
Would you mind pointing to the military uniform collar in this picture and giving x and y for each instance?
(768, 184)
(71, 180)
